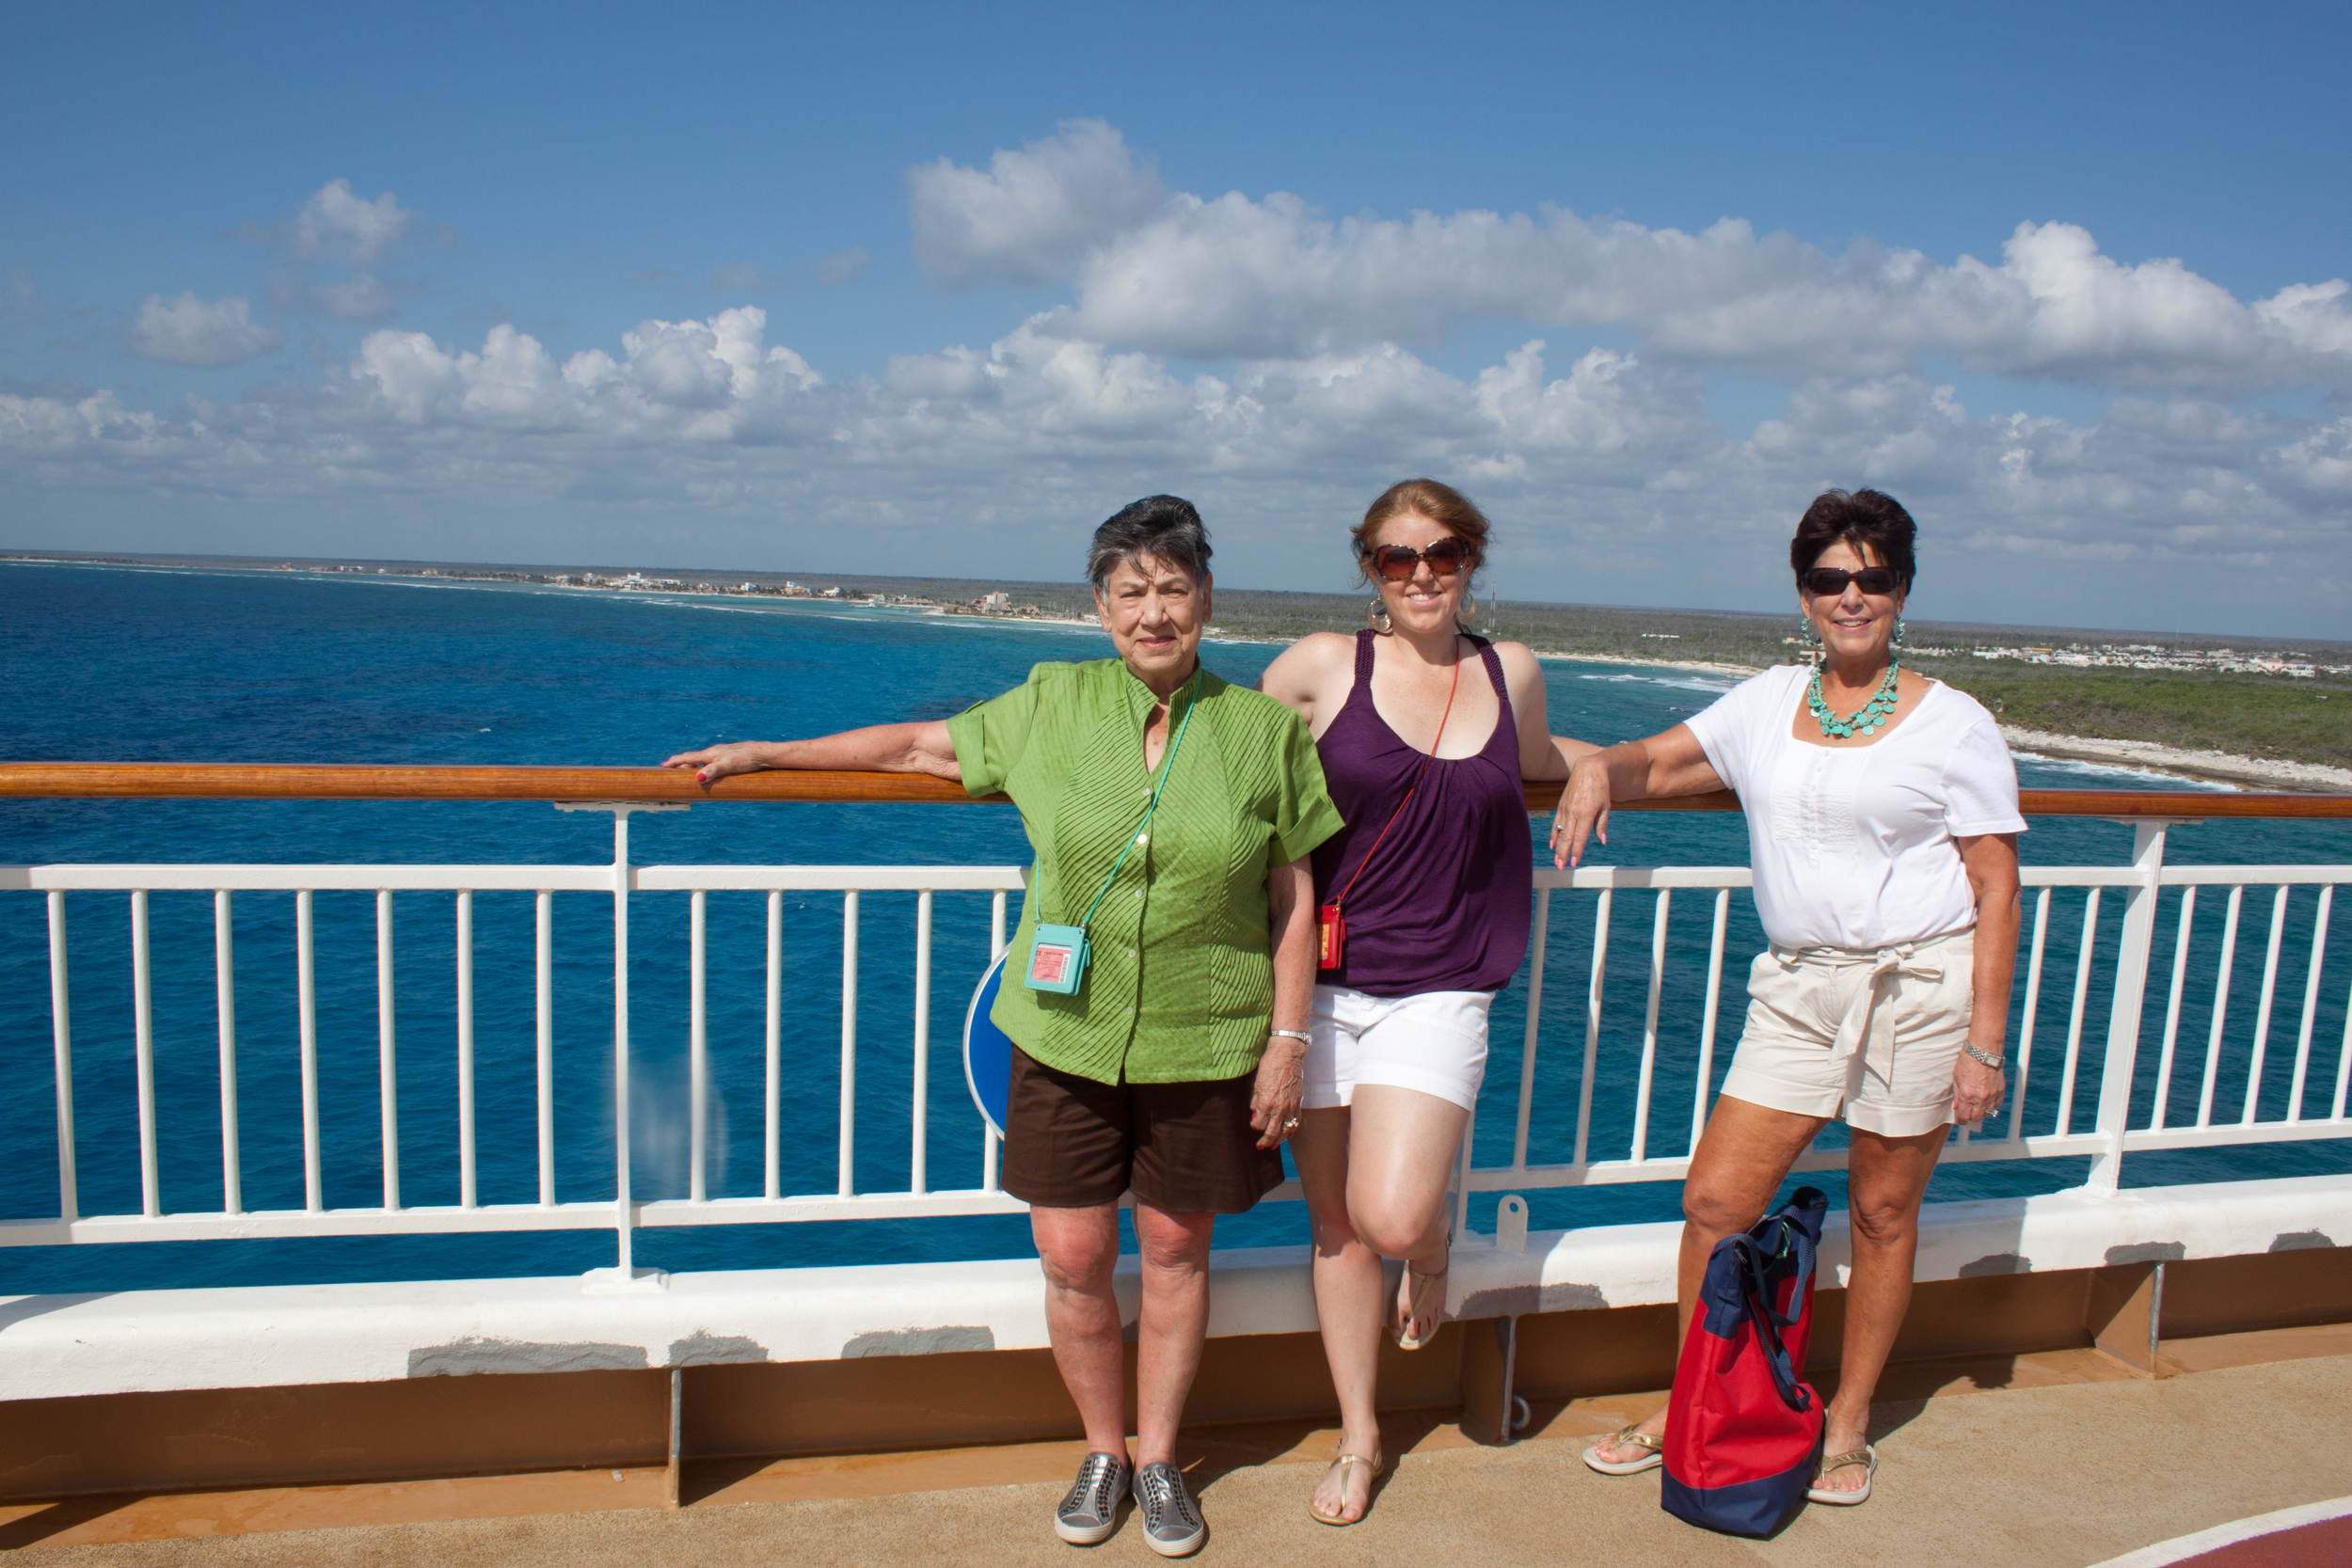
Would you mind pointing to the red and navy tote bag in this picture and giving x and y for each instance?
(1743, 1429)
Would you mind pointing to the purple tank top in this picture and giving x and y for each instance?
(1444, 906)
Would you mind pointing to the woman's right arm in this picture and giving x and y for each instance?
(922, 748)
(1311, 677)
(1673, 763)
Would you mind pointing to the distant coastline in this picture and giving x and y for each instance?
(2242, 712)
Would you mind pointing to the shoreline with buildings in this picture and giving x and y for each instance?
(1725, 646)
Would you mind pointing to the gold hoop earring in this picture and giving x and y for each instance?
(1377, 615)
(1467, 616)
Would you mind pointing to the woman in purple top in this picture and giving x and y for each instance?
(1425, 734)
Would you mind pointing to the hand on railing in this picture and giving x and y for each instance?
(1583, 810)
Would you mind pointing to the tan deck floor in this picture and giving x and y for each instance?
(2059, 1459)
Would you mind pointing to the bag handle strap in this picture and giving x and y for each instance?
(1168, 768)
(1756, 1302)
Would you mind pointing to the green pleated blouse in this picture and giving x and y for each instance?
(1180, 983)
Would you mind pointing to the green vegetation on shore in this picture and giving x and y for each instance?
(2274, 717)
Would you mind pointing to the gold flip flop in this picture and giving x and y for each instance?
(1341, 1465)
(1650, 1460)
(1867, 1456)
(1421, 1284)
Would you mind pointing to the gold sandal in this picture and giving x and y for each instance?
(1630, 1437)
(1421, 1284)
(1865, 1459)
(1341, 1465)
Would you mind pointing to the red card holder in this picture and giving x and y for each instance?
(1333, 926)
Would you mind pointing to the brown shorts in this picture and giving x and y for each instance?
(1184, 1149)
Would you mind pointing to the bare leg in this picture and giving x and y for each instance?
(1348, 1305)
(1741, 1158)
(1401, 1151)
(1885, 1180)
(1174, 1325)
(1079, 1247)
(1375, 1179)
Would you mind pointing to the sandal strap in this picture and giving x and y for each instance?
(1346, 1459)
(1639, 1439)
(1841, 1461)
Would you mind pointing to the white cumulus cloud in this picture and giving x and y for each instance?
(1212, 277)
(192, 331)
(334, 225)
(1030, 215)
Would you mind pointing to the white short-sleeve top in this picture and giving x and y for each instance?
(1852, 845)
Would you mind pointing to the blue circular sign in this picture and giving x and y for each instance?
(987, 1052)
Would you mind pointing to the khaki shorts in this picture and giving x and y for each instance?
(1871, 1037)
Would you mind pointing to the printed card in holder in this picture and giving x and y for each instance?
(1333, 926)
(1058, 959)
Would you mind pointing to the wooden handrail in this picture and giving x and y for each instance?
(233, 780)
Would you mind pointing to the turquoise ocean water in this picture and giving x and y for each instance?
(107, 663)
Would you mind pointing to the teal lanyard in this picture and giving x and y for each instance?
(1167, 766)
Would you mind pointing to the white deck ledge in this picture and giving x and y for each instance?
(59, 1346)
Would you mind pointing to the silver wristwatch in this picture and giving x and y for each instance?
(1298, 1035)
(1992, 1062)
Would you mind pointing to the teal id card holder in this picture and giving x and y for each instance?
(1058, 959)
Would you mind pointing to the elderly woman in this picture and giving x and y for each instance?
(1425, 732)
(1882, 827)
(1172, 816)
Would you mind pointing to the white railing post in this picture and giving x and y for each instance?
(143, 1029)
(306, 1006)
(2135, 940)
(699, 1048)
(624, 1217)
(848, 1043)
(1592, 1025)
(1708, 1020)
(623, 1274)
(544, 1008)
(61, 1035)
(225, 985)
(2311, 1003)
(1534, 1033)
(991, 1146)
(918, 1172)
(774, 1096)
(466, 1191)
(1649, 1027)
(387, 1049)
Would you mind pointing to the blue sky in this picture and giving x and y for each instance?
(933, 289)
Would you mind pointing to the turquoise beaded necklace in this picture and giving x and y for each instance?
(1868, 718)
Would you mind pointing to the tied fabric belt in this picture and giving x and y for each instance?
(1867, 1023)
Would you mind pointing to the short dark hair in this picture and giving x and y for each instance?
(1163, 527)
(1871, 517)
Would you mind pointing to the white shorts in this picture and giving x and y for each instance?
(1435, 1042)
(1868, 1036)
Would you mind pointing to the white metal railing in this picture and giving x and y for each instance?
(2106, 1135)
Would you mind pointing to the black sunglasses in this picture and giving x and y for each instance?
(1828, 581)
(1396, 563)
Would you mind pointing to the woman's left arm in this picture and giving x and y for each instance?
(1542, 754)
(1281, 1085)
(1990, 861)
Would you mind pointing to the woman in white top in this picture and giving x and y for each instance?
(1882, 827)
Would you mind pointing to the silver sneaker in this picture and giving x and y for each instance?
(1089, 1512)
(1172, 1525)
